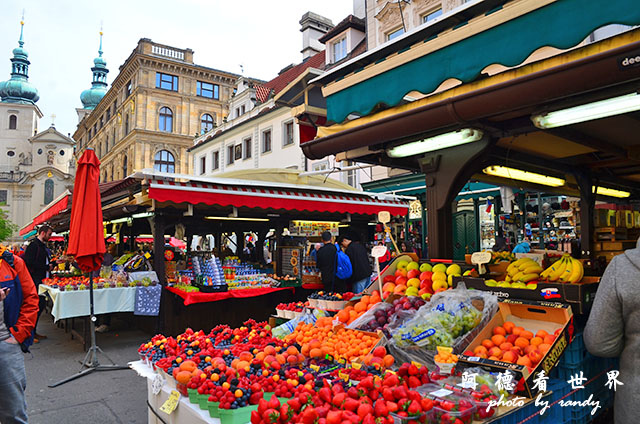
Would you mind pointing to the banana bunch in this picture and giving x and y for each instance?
(523, 270)
(566, 270)
(502, 256)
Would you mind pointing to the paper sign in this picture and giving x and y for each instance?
(378, 251)
(481, 257)
(356, 365)
(343, 376)
(384, 217)
(171, 403)
(441, 393)
(417, 365)
(156, 384)
(315, 368)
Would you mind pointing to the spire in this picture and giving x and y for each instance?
(18, 89)
(92, 96)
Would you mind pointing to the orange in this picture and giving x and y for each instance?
(508, 327)
(360, 307)
(292, 350)
(365, 299)
(498, 339)
(521, 342)
(315, 344)
(499, 330)
(183, 377)
(487, 343)
(527, 335)
(536, 341)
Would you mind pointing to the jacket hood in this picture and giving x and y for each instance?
(634, 255)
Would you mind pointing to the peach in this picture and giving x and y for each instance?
(494, 358)
(499, 330)
(511, 338)
(542, 334)
(529, 349)
(487, 343)
(509, 357)
(536, 341)
(508, 327)
(521, 342)
(549, 339)
(506, 346)
(495, 351)
(480, 349)
(524, 360)
(535, 356)
(544, 348)
(517, 330)
(498, 339)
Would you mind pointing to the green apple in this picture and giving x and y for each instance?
(519, 285)
(491, 283)
(425, 267)
(454, 269)
(532, 286)
(413, 265)
(402, 264)
(504, 284)
(426, 296)
(440, 268)
(411, 291)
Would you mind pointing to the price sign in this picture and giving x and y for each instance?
(156, 384)
(384, 217)
(481, 258)
(378, 251)
(171, 403)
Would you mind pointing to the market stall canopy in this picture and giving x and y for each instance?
(271, 193)
(56, 206)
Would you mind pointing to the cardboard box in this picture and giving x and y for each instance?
(579, 296)
(533, 316)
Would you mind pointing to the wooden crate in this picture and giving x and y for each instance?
(610, 234)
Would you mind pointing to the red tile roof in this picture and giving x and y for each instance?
(281, 81)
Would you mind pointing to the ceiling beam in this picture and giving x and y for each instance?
(579, 137)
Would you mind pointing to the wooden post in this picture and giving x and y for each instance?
(587, 206)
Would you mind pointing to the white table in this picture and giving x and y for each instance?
(186, 412)
(75, 303)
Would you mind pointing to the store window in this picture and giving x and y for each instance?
(206, 123)
(266, 141)
(215, 160)
(13, 122)
(288, 134)
(164, 162)
(165, 121)
(208, 90)
(247, 148)
(48, 191)
(166, 81)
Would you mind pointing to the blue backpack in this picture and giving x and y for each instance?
(13, 302)
(343, 264)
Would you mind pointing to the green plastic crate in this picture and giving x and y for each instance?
(193, 395)
(237, 416)
(213, 409)
(203, 402)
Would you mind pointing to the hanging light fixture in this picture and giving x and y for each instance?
(438, 142)
(605, 191)
(520, 175)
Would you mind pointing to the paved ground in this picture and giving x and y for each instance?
(101, 397)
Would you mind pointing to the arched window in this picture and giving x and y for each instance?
(13, 122)
(165, 123)
(48, 191)
(206, 123)
(125, 166)
(164, 162)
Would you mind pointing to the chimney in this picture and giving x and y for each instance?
(359, 9)
(313, 26)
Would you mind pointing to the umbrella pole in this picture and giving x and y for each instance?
(91, 358)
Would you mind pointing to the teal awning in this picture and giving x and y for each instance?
(29, 234)
(414, 185)
(562, 24)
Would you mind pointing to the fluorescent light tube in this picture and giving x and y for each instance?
(588, 112)
(604, 191)
(231, 218)
(442, 141)
(520, 175)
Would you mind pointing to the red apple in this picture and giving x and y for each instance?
(401, 280)
(413, 273)
(389, 279)
(401, 273)
(426, 275)
(557, 332)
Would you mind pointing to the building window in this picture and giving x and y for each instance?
(165, 123)
(320, 166)
(166, 81)
(48, 191)
(95, 129)
(230, 155)
(3, 197)
(352, 174)
(127, 91)
(266, 141)
(339, 49)
(206, 89)
(108, 114)
(125, 165)
(164, 162)
(431, 16)
(11, 153)
(13, 122)
(206, 123)
(126, 124)
(237, 152)
(114, 137)
(247, 148)
(215, 160)
(395, 34)
(288, 134)
(203, 165)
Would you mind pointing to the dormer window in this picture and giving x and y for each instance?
(432, 15)
(395, 34)
(339, 49)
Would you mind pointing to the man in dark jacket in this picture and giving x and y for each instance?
(326, 262)
(37, 256)
(361, 276)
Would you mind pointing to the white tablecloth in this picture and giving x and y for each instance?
(70, 304)
(186, 412)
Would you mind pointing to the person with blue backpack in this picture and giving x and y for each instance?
(327, 262)
(360, 277)
(18, 315)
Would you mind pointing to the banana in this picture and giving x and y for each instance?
(517, 277)
(568, 270)
(519, 262)
(533, 269)
(530, 277)
(546, 272)
(577, 273)
(507, 278)
(511, 268)
(527, 263)
(557, 268)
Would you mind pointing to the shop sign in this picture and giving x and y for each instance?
(312, 228)
(415, 210)
(629, 61)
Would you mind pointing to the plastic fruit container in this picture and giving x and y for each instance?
(213, 409)
(237, 416)
(448, 406)
(482, 413)
(397, 419)
(182, 389)
(193, 395)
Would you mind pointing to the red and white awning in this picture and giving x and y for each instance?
(255, 195)
(51, 210)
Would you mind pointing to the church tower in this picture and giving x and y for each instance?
(92, 96)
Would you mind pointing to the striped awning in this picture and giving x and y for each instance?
(51, 210)
(252, 195)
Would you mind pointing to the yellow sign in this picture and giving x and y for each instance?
(415, 210)
(343, 376)
(312, 228)
(315, 368)
(171, 403)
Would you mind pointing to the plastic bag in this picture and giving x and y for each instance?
(363, 322)
(288, 327)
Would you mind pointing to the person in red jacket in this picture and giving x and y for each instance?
(18, 315)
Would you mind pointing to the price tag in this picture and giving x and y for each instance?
(171, 404)
(416, 364)
(315, 368)
(378, 251)
(441, 393)
(481, 258)
(147, 255)
(343, 376)
(384, 216)
(156, 384)
(356, 365)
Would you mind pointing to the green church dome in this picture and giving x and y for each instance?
(92, 96)
(18, 89)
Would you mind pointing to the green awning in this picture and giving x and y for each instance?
(414, 185)
(29, 234)
(562, 24)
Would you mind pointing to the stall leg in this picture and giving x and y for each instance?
(158, 228)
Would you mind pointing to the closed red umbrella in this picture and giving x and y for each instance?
(86, 232)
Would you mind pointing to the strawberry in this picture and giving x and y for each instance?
(325, 394)
(391, 380)
(414, 382)
(353, 393)
(387, 394)
(322, 411)
(427, 404)
(364, 410)
(263, 405)
(351, 404)
(310, 415)
(414, 408)
(367, 383)
(294, 404)
(255, 417)
(334, 417)
(338, 399)
(380, 408)
(271, 416)
(286, 412)
(273, 403)
(368, 420)
(399, 392)
(413, 370)
(392, 406)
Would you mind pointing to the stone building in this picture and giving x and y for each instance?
(148, 118)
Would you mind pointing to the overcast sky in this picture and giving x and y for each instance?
(62, 39)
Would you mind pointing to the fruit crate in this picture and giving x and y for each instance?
(193, 395)
(553, 415)
(575, 353)
(214, 412)
(237, 416)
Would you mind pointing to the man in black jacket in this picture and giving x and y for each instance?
(326, 262)
(361, 277)
(37, 256)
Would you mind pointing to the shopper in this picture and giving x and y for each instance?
(37, 256)
(361, 276)
(326, 263)
(613, 329)
(18, 315)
